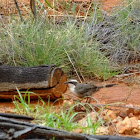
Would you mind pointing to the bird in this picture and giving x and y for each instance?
(82, 90)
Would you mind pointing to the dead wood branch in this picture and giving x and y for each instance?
(14, 131)
(46, 81)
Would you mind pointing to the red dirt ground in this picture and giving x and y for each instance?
(124, 92)
(8, 6)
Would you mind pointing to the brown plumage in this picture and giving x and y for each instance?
(82, 90)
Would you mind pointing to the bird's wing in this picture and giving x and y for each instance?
(83, 88)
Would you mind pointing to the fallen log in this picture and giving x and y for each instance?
(13, 129)
(15, 116)
(46, 81)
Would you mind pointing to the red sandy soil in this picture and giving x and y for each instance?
(109, 4)
(8, 6)
(6, 107)
(124, 92)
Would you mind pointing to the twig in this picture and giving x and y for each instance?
(47, 131)
(33, 8)
(73, 65)
(124, 106)
(123, 75)
(106, 115)
(22, 133)
(18, 10)
(8, 115)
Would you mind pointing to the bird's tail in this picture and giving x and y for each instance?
(110, 85)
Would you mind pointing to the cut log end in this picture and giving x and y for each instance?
(50, 85)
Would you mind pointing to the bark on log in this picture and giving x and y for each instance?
(46, 80)
(15, 116)
(24, 130)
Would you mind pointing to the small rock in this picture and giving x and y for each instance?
(114, 121)
(68, 102)
(92, 116)
(111, 130)
(130, 110)
(102, 131)
(135, 131)
(128, 132)
(78, 130)
(136, 111)
(110, 114)
(127, 124)
(123, 114)
(123, 125)
(139, 122)
(119, 119)
(134, 122)
(130, 115)
(139, 128)
(133, 110)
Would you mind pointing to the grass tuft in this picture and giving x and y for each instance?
(49, 115)
(94, 46)
(37, 43)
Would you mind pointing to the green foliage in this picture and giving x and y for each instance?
(37, 43)
(93, 47)
(118, 34)
(22, 102)
(46, 114)
(48, 4)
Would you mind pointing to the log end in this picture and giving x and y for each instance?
(53, 90)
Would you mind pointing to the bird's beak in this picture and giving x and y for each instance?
(66, 82)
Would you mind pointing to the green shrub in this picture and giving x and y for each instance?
(37, 43)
